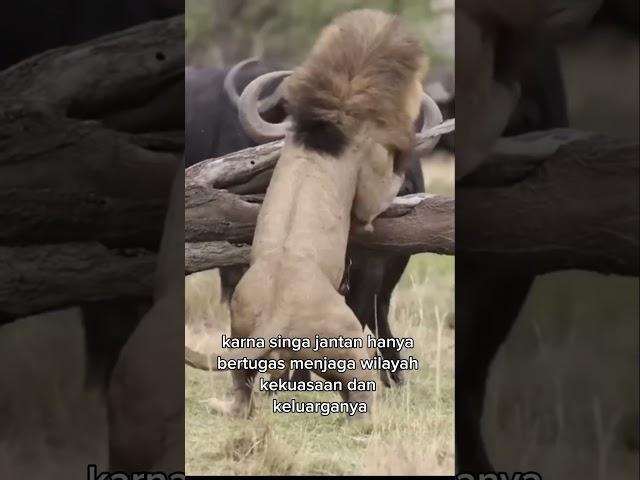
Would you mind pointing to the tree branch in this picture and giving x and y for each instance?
(78, 133)
(399, 230)
(29, 216)
(201, 256)
(215, 220)
(47, 277)
(543, 202)
(87, 154)
(553, 201)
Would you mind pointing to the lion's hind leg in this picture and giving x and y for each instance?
(336, 319)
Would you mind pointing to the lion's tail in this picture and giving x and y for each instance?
(202, 361)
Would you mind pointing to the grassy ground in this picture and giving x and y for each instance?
(562, 400)
(563, 391)
(413, 432)
(51, 427)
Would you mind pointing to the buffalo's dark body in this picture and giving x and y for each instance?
(213, 129)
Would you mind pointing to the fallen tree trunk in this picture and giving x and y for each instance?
(543, 202)
(30, 216)
(554, 201)
(90, 138)
(40, 278)
(398, 231)
(83, 132)
(218, 215)
(83, 157)
(201, 256)
(217, 220)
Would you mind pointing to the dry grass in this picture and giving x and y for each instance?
(413, 431)
(50, 426)
(563, 393)
(414, 424)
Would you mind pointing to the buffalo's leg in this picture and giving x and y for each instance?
(229, 278)
(108, 325)
(365, 281)
(372, 284)
(487, 306)
(301, 376)
(392, 273)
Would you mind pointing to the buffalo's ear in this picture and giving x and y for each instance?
(564, 18)
(276, 114)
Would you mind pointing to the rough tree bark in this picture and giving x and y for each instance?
(90, 137)
(552, 201)
(79, 132)
(40, 278)
(73, 155)
(551, 176)
(219, 225)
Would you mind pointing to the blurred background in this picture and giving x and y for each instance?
(563, 390)
(220, 33)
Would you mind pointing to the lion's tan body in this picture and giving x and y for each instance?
(364, 76)
(305, 216)
(297, 260)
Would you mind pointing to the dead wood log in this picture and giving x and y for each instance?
(31, 216)
(399, 230)
(39, 278)
(549, 201)
(543, 202)
(72, 117)
(90, 138)
(219, 224)
(216, 218)
(199, 256)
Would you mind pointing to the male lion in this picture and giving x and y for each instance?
(353, 106)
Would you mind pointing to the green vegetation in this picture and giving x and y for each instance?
(219, 31)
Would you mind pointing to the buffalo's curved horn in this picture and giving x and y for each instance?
(431, 117)
(264, 104)
(254, 125)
